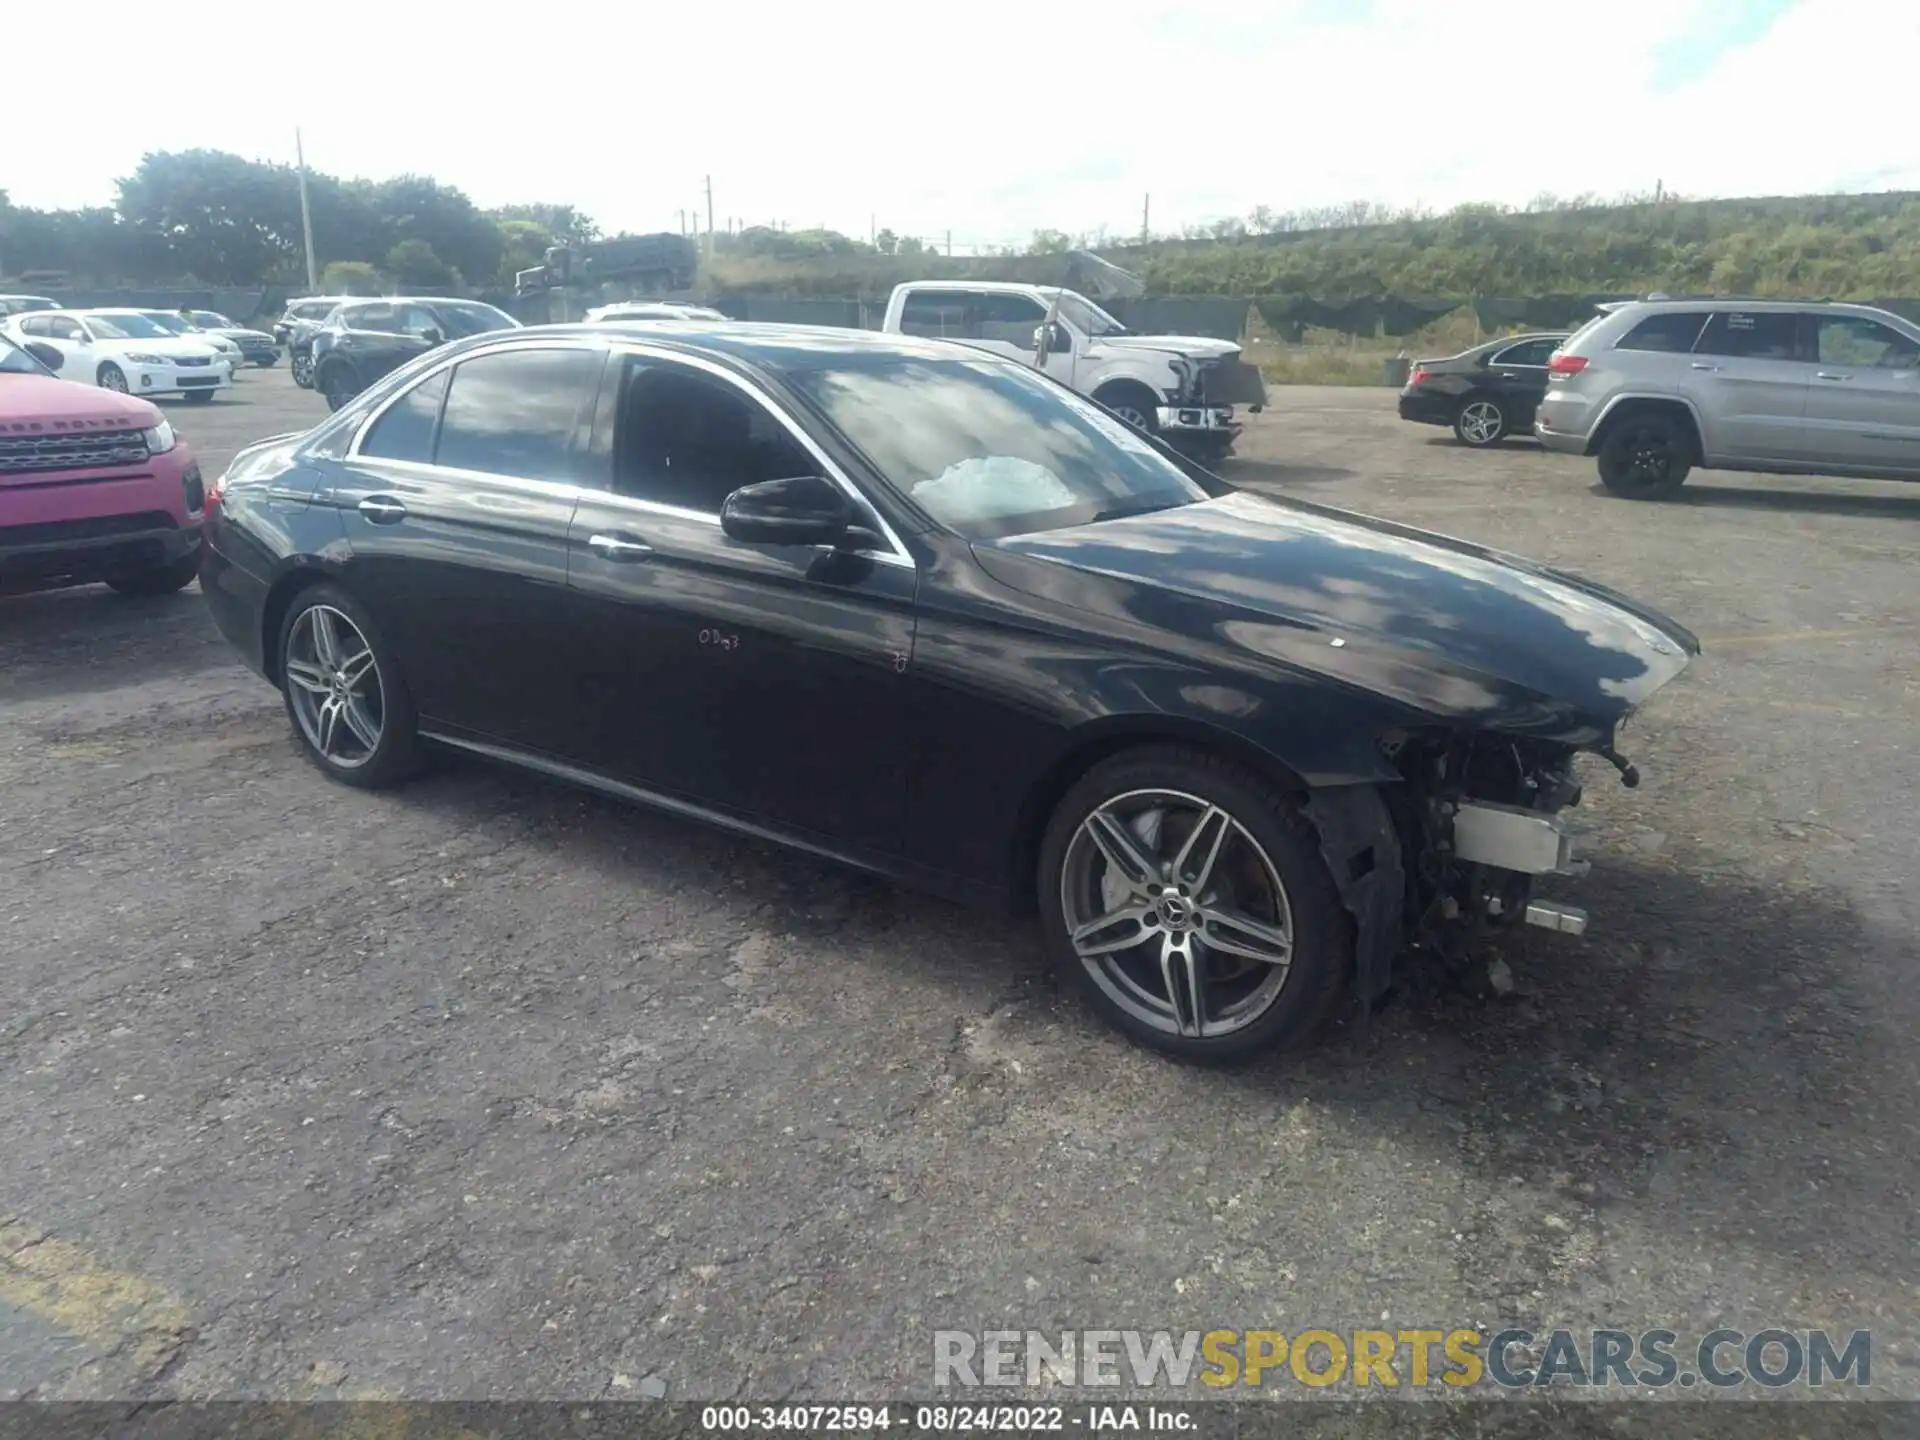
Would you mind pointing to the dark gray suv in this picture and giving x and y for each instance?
(1654, 388)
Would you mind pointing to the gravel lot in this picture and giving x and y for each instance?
(491, 1089)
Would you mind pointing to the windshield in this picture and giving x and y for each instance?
(173, 324)
(15, 361)
(209, 320)
(127, 327)
(1087, 317)
(474, 319)
(990, 449)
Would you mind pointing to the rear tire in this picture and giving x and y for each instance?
(301, 368)
(337, 383)
(344, 693)
(1248, 927)
(1645, 457)
(1480, 422)
(162, 579)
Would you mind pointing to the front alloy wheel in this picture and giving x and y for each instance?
(344, 694)
(1190, 904)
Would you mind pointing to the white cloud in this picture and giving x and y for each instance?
(989, 119)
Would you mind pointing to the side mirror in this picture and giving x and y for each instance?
(1058, 340)
(76, 335)
(805, 510)
(45, 354)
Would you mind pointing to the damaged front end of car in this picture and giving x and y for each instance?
(1206, 394)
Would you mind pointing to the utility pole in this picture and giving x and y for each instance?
(1146, 208)
(873, 231)
(949, 244)
(709, 217)
(306, 214)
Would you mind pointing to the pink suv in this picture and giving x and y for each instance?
(94, 485)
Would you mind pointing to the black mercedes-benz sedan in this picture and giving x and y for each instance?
(928, 612)
(1485, 394)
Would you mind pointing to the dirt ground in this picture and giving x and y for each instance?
(489, 1088)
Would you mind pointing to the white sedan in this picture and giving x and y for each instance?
(123, 350)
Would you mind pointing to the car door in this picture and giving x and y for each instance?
(1518, 375)
(1749, 377)
(766, 682)
(1863, 403)
(69, 335)
(1007, 321)
(455, 499)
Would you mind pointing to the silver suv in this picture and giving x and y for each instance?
(1653, 388)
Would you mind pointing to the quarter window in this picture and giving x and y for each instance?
(1867, 344)
(688, 439)
(1671, 330)
(1752, 335)
(404, 430)
(520, 412)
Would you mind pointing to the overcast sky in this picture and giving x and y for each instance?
(988, 118)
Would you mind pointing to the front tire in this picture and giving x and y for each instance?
(344, 692)
(112, 377)
(301, 368)
(1480, 422)
(1645, 457)
(1185, 896)
(162, 579)
(1134, 404)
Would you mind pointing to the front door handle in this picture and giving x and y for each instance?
(1702, 365)
(1832, 375)
(383, 510)
(619, 548)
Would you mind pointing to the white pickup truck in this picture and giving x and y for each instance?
(1182, 388)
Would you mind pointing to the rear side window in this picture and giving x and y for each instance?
(1672, 330)
(941, 314)
(405, 430)
(1747, 335)
(1527, 352)
(521, 413)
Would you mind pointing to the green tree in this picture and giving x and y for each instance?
(413, 264)
(567, 224)
(352, 277)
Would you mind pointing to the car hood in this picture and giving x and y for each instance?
(173, 346)
(1450, 630)
(1197, 346)
(28, 402)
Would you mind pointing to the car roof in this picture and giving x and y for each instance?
(777, 346)
(1014, 286)
(1740, 302)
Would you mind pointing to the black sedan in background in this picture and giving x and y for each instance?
(1485, 394)
(362, 340)
(929, 612)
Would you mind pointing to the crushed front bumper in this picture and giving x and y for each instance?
(1522, 842)
(1197, 420)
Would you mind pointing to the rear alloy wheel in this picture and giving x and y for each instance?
(1645, 457)
(301, 368)
(344, 693)
(1480, 422)
(1186, 898)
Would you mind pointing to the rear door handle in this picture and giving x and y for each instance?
(1832, 375)
(619, 548)
(383, 510)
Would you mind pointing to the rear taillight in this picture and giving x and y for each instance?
(1418, 377)
(1566, 364)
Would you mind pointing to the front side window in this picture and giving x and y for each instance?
(1010, 319)
(689, 439)
(519, 412)
(405, 429)
(381, 318)
(1672, 331)
(1752, 335)
(988, 448)
(1865, 344)
(1087, 317)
